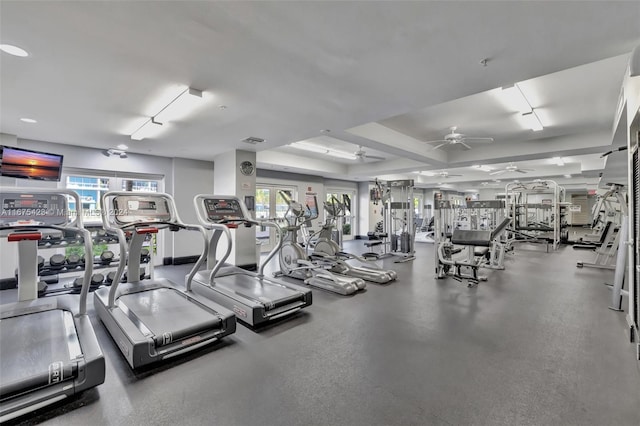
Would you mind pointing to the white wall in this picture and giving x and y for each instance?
(183, 178)
(191, 177)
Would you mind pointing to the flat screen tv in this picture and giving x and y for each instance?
(26, 164)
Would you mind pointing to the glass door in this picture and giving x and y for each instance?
(346, 198)
(270, 205)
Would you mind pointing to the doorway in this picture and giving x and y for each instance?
(271, 205)
(347, 198)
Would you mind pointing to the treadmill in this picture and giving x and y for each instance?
(254, 298)
(152, 320)
(49, 349)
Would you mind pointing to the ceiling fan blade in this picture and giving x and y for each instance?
(528, 170)
(373, 157)
(498, 172)
(465, 145)
(478, 139)
(520, 171)
(441, 145)
(437, 141)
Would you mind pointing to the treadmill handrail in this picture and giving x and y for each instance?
(75, 226)
(198, 201)
(108, 209)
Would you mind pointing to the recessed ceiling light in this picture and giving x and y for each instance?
(13, 50)
(28, 120)
(122, 146)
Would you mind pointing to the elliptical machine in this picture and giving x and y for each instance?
(327, 249)
(294, 261)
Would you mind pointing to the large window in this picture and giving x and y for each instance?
(139, 185)
(270, 205)
(90, 189)
(346, 199)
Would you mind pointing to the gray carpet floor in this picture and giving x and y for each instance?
(534, 345)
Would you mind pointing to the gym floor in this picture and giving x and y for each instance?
(534, 345)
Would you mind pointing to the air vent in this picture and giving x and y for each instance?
(253, 140)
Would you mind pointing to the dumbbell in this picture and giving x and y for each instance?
(42, 288)
(106, 257)
(142, 274)
(109, 278)
(96, 280)
(40, 266)
(101, 236)
(57, 261)
(73, 260)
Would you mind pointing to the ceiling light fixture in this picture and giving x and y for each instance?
(14, 50)
(149, 129)
(177, 109)
(114, 153)
(516, 100)
(28, 120)
(305, 146)
(567, 176)
(532, 121)
(122, 147)
(558, 160)
(482, 167)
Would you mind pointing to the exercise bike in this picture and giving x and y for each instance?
(295, 263)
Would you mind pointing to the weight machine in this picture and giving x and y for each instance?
(607, 252)
(469, 238)
(397, 236)
(536, 219)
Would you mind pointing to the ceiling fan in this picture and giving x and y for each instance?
(454, 138)
(361, 155)
(511, 168)
(445, 174)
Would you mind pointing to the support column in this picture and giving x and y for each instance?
(235, 174)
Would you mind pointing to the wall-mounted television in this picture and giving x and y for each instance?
(26, 164)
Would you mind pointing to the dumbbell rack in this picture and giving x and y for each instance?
(49, 274)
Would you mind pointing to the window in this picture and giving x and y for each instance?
(139, 185)
(90, 190)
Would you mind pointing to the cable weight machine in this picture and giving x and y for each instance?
(398, 224)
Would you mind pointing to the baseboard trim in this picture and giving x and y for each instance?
(183, 260)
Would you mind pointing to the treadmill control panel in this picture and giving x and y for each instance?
(221, 209)
(34, 209)
(141, 208)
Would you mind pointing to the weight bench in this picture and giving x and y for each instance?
(480, 244)
(375, 239)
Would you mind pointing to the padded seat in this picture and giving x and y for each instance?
(471, 238)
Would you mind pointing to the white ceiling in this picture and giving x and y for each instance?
(383, 75)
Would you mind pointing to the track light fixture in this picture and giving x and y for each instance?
(178, 108)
